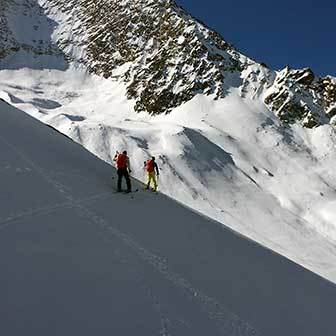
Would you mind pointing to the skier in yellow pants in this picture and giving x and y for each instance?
(152, 172)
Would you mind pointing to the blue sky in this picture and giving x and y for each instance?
(295, 32)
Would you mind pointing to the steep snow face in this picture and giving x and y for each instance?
(79, 259)
(231, 158)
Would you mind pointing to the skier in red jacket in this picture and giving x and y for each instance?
(152, 172)
(123, 169)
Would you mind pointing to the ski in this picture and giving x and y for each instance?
(125, 191)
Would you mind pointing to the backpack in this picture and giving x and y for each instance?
(121, 161)
(150, 166)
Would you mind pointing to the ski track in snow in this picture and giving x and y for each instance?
(4, 222)
(227, 322)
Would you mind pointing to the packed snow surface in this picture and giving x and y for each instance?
(229, 159)
(78, 259)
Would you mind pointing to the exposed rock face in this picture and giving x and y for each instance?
(164, 56)
(327, 86)
(299, 95)
(168, 56)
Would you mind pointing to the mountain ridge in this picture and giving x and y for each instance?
(166, 57)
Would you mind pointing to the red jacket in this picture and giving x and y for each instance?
(122, 161)
(151, 166)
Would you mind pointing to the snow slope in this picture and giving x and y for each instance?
(77, 259)
(231, 159)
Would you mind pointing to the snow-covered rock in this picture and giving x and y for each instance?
(298, 95)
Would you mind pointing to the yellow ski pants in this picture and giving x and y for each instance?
(152, 178)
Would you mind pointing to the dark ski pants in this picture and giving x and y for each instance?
(123, 172)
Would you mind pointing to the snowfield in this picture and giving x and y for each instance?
(78, 259)
(231, 159)
(246, 205)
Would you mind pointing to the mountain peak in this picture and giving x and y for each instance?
(167, 56)
(163, 55)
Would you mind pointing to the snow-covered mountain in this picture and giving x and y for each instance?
(164, 55)
(78, 259)
(248, 146)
